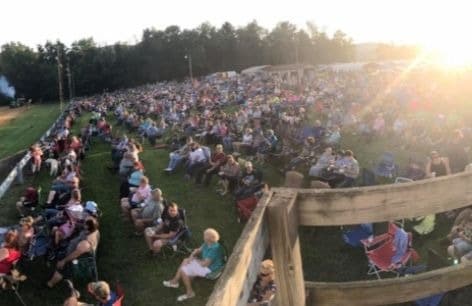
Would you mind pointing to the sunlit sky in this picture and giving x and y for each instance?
(402, 21)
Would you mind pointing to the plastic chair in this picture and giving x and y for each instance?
(380, 251)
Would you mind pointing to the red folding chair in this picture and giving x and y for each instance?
(381, 249)
(120, 295)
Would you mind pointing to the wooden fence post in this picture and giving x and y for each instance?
(285, 244)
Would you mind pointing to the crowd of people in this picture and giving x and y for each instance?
(235, 129)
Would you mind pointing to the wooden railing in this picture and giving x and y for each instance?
(283, 210)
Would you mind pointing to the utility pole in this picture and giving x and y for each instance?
(297, 60)
(59, 77)
(69, 79)
(190, 68)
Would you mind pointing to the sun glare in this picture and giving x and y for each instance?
(451, 53)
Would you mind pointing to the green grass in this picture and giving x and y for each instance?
(122, 256)
(25, 129)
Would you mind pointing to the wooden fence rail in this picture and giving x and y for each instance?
(389, 291)
(286, 209)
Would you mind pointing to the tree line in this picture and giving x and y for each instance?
(161, 55)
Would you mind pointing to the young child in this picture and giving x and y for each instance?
(36, 154)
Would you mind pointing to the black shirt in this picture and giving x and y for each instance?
(172, 224)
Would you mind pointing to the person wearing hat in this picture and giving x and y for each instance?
(264, 288)
(101, 292)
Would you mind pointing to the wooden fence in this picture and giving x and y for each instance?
(279, 213)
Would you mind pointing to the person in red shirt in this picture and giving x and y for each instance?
(9, 252)
(218, 158)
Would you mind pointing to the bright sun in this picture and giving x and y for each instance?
(451, 53)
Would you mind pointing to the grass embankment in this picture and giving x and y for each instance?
(21, 127)
(122, 256)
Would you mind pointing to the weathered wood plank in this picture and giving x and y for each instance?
(235, 284)
(383, 203)
(285, 244)
(389, 291)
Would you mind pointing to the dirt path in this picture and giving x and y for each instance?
(7, 113)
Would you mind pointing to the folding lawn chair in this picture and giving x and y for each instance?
(354, 236)
(179, 244)
(389, 252)
(217, 273)
(12, 281)
(120, 293)
(386, 167)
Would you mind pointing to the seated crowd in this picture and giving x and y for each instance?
(272, 127)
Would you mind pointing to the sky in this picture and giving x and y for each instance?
(423, 22)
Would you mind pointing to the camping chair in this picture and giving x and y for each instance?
(217, 273)
(179, 244)
(120, 293)
(380, 251)
(85, 268)
(39, 243)
(386, 167)
(355, 235)
(12, 281)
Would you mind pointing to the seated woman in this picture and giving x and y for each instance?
(264, 288)
(101, 292)
(9, 252)
(60, 196)
(246, 144)
(437, 165)
(138, 196)
(25, 233)
(345, 171)
(70, 216)
(461, 247)
(171, 223)
(151, 211)
(201, 262)
(326, 159)
(217, 159)
(75, 144)
(84, 245)
(28, 201)
(132, 181)
(463, 220)
(229, 175)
